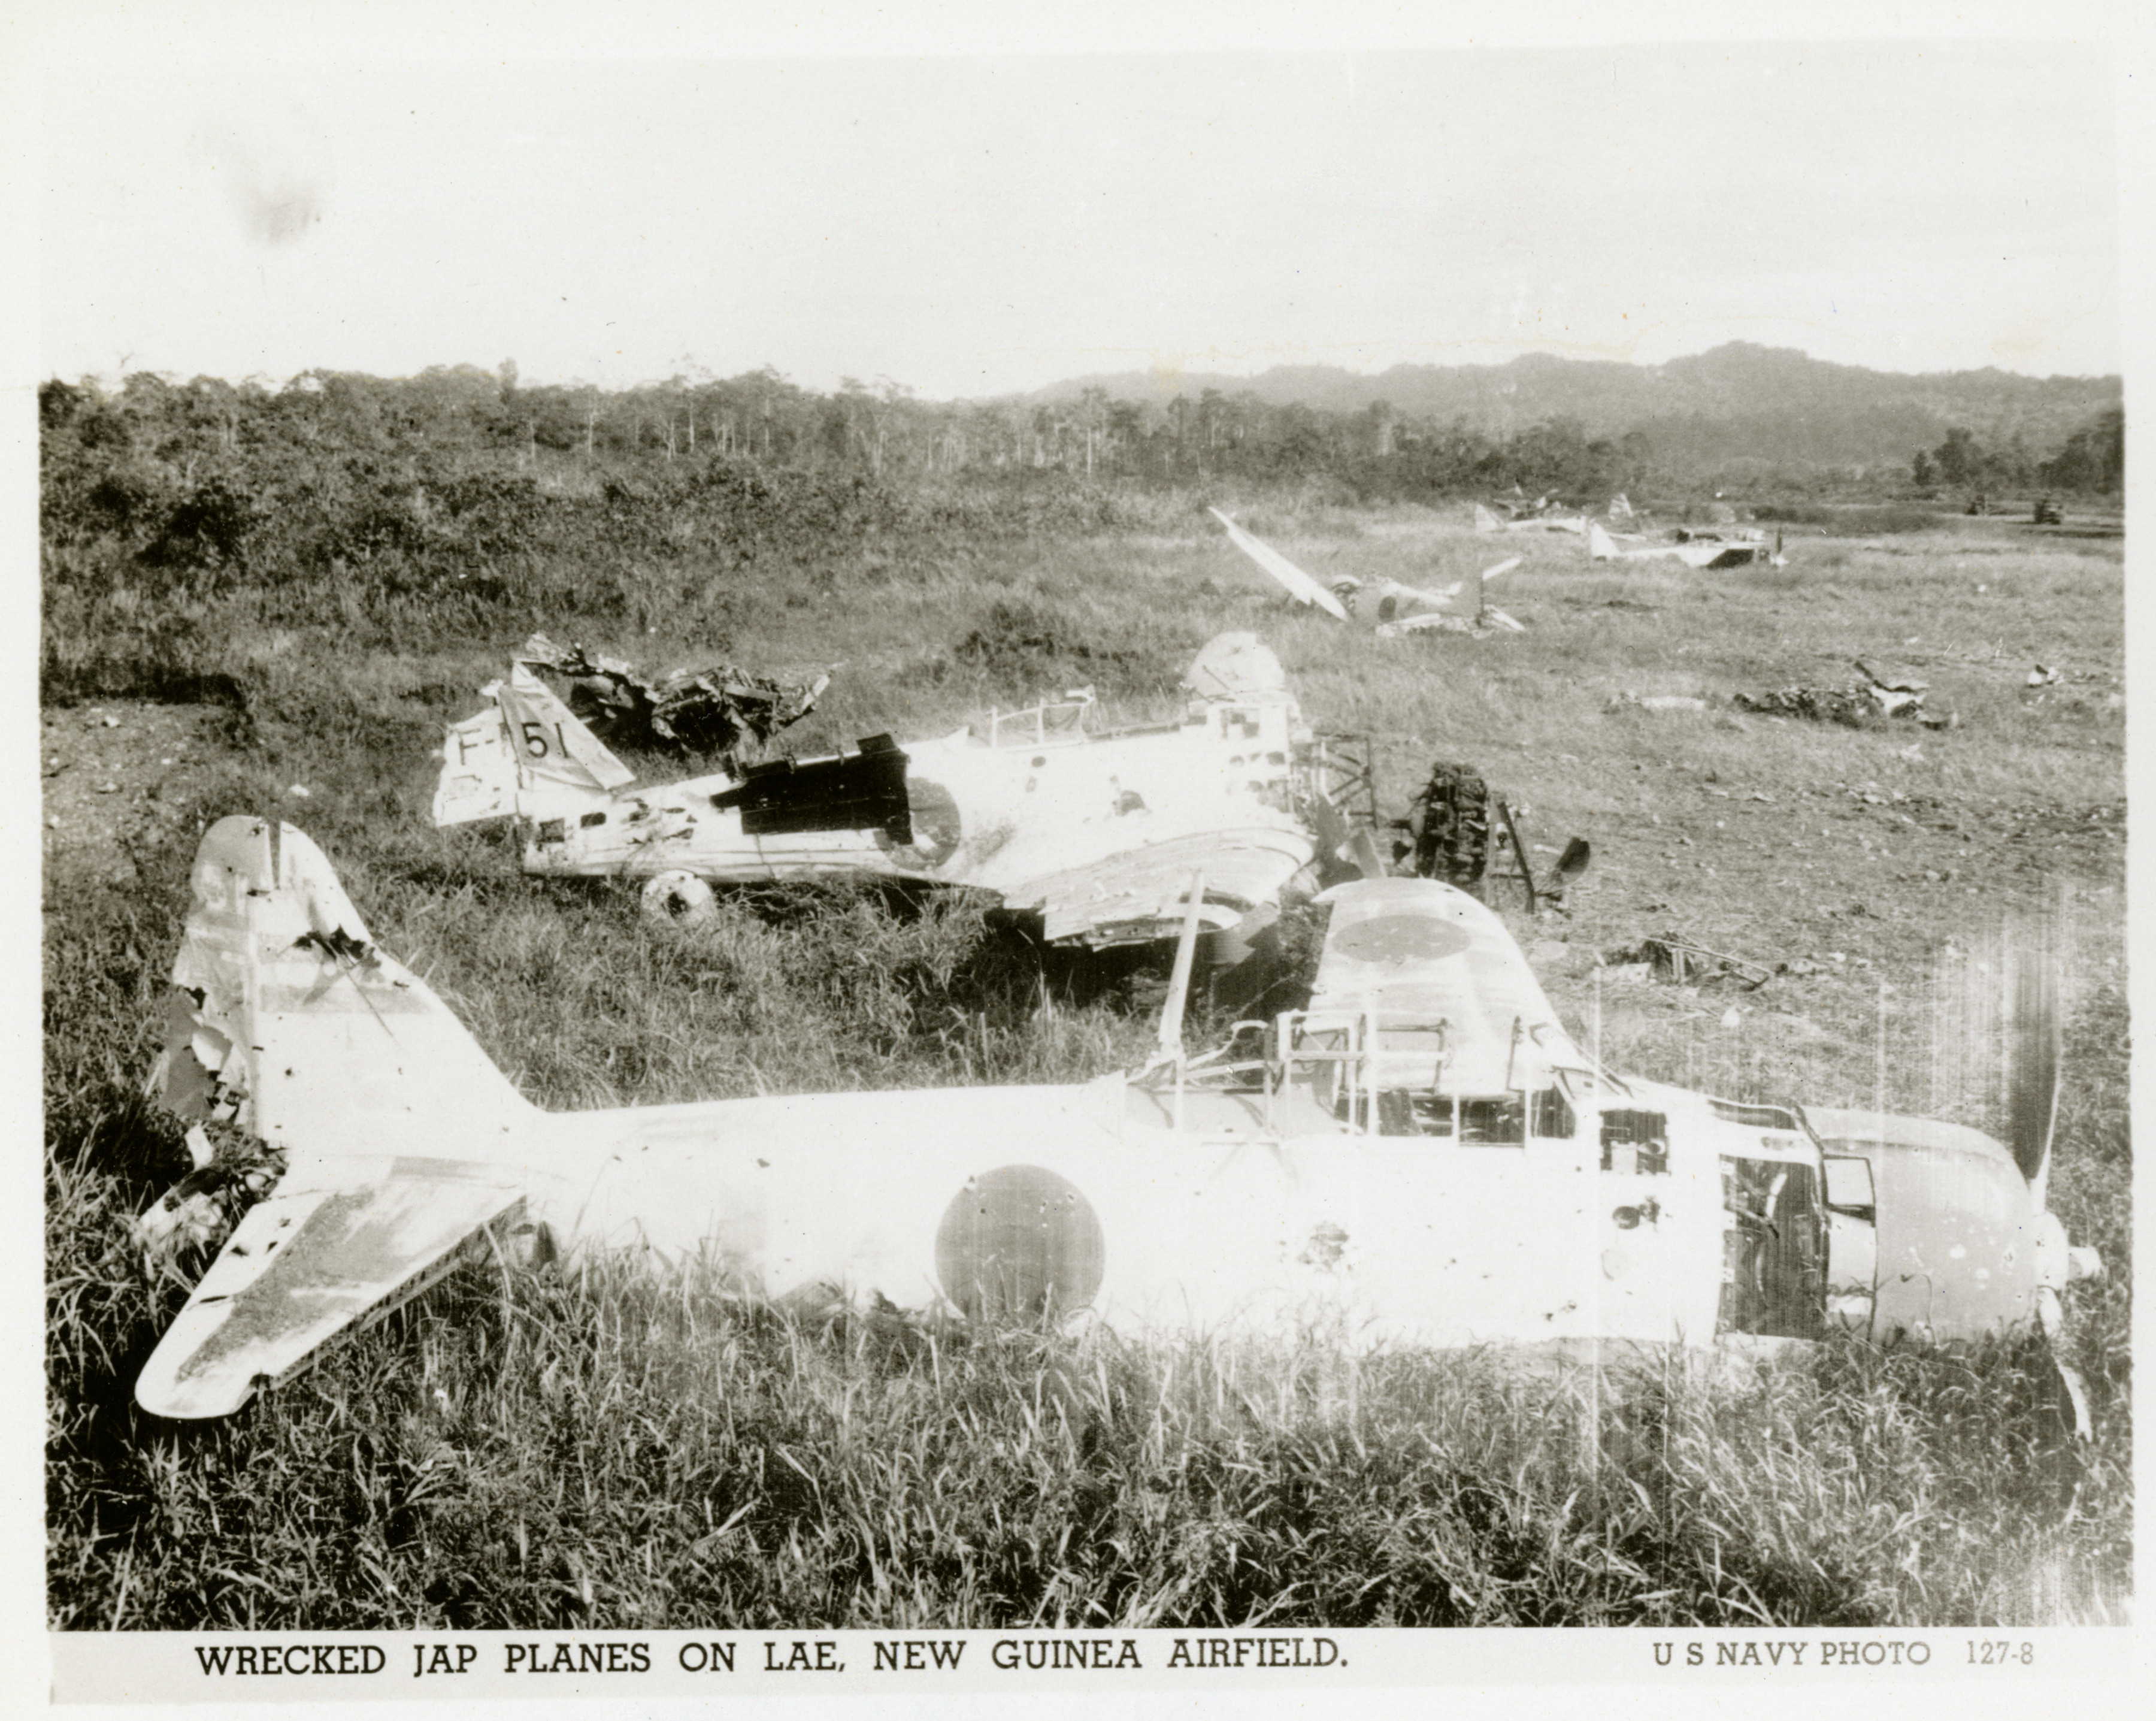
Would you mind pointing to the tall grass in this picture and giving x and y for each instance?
(604, 1448)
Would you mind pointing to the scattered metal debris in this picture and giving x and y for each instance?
(2044, 676)
(1681, 963)
(712, 711)
(1882, 693)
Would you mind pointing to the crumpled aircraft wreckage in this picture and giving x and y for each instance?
(1392, 609)
(1092, 830)
(1881, 693)
(715, 712)
(1532, 517)
(1424, 1156)
(1696, 547)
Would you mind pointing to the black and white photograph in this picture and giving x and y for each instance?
(973, 858)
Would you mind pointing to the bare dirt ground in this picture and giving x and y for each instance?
(119, 773)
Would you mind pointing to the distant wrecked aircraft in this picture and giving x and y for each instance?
(1390, 607)
(1424, 1156)
(1695, 548)
(1535, 521)
(1092, 829)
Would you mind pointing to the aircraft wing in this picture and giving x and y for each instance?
(1300, 585)
(343, 1240)
(1137, 896)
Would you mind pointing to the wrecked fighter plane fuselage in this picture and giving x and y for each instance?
(1701, 547)
(1423, 1156)
(1095, 830)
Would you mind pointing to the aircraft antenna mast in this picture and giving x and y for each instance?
(1179, 983)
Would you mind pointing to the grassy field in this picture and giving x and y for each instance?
(591, 1447)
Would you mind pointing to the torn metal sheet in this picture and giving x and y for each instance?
(1889, 693)
(714, 711)
(1424, 1156)
(1681, 963)
(1522, 516)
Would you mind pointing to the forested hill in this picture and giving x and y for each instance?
(1738, 401)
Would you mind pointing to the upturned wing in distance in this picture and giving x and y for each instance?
(1298, 585)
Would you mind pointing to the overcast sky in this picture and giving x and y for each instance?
(980, 225)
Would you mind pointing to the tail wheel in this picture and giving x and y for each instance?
(680, 896)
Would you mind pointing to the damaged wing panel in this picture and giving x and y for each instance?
(275, 953)
(1298, 585)
(1139, 897)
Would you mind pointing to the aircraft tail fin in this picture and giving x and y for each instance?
(286, 1018)
(405, 1145)
(527, 748)
(1600, 546)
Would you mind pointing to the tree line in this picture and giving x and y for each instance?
(155, 443)
(2093, 460)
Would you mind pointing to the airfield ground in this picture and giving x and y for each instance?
(594, 1451)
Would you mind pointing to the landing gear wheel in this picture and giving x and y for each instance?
(680, 897)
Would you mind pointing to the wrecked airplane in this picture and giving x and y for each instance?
(1896, 693)
(1092, 829)
(1423, 1156)
(1694, 548)
(1523, 516)
(1391, 608)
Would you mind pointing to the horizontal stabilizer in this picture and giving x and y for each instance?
(341, 1242)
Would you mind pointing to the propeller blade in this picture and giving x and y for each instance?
(2032, 1054)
